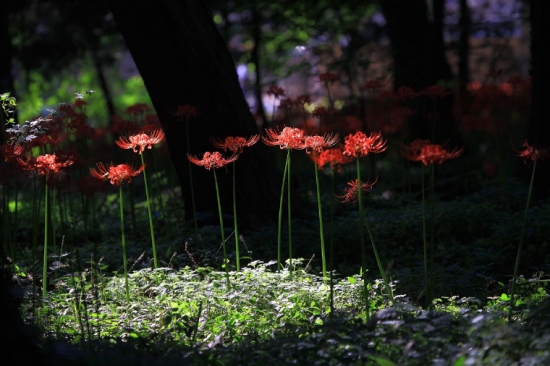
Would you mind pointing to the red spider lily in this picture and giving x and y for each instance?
(212, 160)
(359, 144)
(350, 195)
(405, 93)
(235, 144)
(186, 111)
(11, 151)
(436, 91)
(302, 100)
(44, 164)
(373, 85)
(276, 91)
(333, 156)
(141, 141)
(289, 138)
(328, 78)
(316, 144)
(320, 112)
(137, 109)
(427, 153)
(287, 104)
(116, 174)
(532, 153)
(124, 126)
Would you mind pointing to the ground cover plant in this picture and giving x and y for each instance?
(456, 272)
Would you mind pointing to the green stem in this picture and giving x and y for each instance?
(321, 230)
(362, 233)
(521, 240)
(280, 227)
(235, 221)
(432, 236)
(124, 261)
(151, 228)
(379, 262)
(191, 186)
(45, 261)
(331, 242)
(225, 262)
(289, 215)
(426, 287)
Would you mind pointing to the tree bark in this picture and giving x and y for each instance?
(539, 123)
(419, 59)
(183, 60)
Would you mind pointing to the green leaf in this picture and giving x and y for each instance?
(460, 361)
(383, 362)
(504, 297)
(351, 280)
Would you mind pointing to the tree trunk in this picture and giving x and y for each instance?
(539, 125)
(183, 60)
(419, 57)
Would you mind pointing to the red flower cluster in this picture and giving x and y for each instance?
(186, 111)
(47, 163)
(141, 141)
(328, 78)
(276, 91)
(11, 151)
(289, 138)
(532, 153)
(333, 157)
(235, 144)
(317, 144)
(359, 144)
(351, 190)
(116, 174)
(427, 153)
(212, 160)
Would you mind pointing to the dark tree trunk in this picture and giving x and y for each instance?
(98, 65)
(419, 57)
(539, 123)
(465, 24)
(184, 60)
(255, 59)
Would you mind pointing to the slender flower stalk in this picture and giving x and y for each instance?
(356, 146)
(315, 145)
(290, 139)
(46, 165)
(428, 154)
(236, 145)
(117, 175)
(215, 161)
(139, 143)
(533, 154)
(277, 93)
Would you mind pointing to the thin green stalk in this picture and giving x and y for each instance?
(379, 262)
(191, 186)
(5, 209)
(521, 240)
(432, 236)
(331, 242)
(362, 233)
(124, 261)
(280, 227)
(289, 215)
(225, 262)
(321, 230)
(151, 228)
(235, 221)
(426, 287)
(45, 261)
